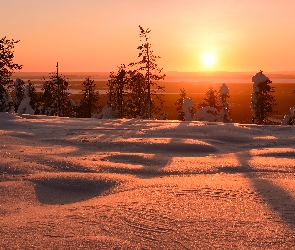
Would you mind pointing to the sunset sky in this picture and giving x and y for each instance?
(99, 35)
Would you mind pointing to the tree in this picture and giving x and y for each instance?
(212, 99)
(262, 101)
(289, 119)
(7, 67)
(89, 102)
(19, 93)
(225, 107)
(35, 98)
(56, 96)
(148, 67)
(137, 98)
(118, 85)
(179, 104)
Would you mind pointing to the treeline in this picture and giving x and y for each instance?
(133, 92)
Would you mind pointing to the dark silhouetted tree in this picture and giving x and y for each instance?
(179, 104)
(148, 67)
(212, 99)
(117, 94)
(89, 103)
(35, 98)
(55, 96)
(7, 67)
(19, 93)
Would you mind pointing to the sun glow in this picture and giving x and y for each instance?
(208, 59)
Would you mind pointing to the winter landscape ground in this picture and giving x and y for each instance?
(145, 184)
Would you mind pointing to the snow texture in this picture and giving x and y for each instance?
(70, 183)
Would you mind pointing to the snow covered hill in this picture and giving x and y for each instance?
(145, 184)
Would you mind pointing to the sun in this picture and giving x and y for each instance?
(208, 59)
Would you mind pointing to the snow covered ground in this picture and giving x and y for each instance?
(142, 184)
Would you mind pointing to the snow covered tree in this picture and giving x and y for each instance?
(56, 96)
(225, 107)
(184, 106)
(7, 67)
(19, 93)
(148, 67)
(89, 103)
(25, 106)
(262, 101)
(289, 119)
(188, 109)
(210, 105)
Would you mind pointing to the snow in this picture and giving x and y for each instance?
(187, 106)
(105, 113)
(25, 107)
(223, 90)
(288, 118)
(258, 78)
(207, 113)
(145, 184)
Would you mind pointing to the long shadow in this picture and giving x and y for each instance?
(276, 197)
(64, 190)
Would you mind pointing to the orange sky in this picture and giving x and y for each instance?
(99, 35)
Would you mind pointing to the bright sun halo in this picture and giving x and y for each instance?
(208, 59)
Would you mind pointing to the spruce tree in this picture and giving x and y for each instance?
(56, 96)
(148, 67)
(7, 67)
(262, 100)
(117, 94)
(212, 99)
(89, 103)
(179, 104)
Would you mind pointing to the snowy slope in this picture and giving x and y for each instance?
(143, 184)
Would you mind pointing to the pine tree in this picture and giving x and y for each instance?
(262, 101)
(117, 94)
(7, 67)
(89, 103)
(136, 98)
(148, 67)
(56, 96)
(179, 104)
(35, 98)
(212, 99)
